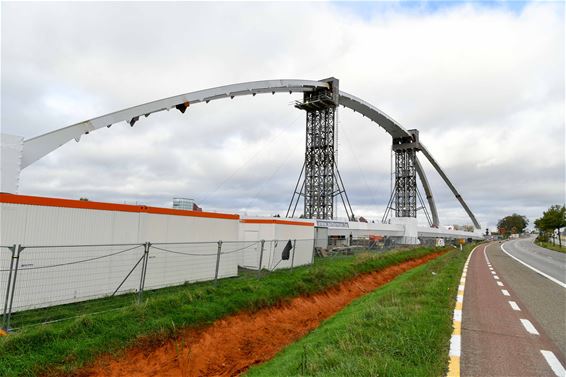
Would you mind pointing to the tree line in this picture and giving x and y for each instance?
(552, 220)
(513, 224)
(549, 224)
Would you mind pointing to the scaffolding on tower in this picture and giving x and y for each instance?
(405, 192)
(320, 181)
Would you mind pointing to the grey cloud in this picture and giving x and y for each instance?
(485, 86)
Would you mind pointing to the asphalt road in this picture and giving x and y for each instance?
(547, 261)
(511, 317)
(545, 299)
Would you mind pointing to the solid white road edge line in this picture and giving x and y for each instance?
(554, 363)
(529, 326)
(534, 269)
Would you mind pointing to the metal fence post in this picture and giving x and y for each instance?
(313, 251)
(260, 259)
(146, 247)
(9, 284)
(18, 250)
(217, 262)
(293, 257)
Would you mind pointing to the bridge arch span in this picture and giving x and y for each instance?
(39, 146)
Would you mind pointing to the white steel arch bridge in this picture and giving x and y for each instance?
(37, 147)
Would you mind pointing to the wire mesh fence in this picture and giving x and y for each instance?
(44, 284)
(44, 276)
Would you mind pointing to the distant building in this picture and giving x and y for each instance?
(186, 204)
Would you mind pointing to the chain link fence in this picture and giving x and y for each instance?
(45, 284)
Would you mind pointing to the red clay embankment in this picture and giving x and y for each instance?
(233, 344)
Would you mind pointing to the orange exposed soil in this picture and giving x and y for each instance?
(233, 344)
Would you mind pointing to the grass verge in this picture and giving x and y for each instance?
(400, 329)
(65, 346)
(550, 246)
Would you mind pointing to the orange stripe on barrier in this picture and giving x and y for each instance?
(66, 203)
(183, 212)
(275, 221)
(83, 204)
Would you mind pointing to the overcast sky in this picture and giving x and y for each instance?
(483, 82)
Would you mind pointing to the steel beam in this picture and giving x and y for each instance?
(451, 186)
(37, 147)
(428, 193)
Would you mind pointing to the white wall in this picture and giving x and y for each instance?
(51, 275)
(303, 247)
(360, 230)
(184, 247)
(397, 228)
(453, 234)
(252, 231)
(276, 233)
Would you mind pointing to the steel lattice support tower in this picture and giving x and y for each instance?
(322, 181)
(405, 191)
(405, 183)
(319, 163)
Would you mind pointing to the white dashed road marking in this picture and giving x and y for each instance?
(514, 306)
(457, 315)
(455, 342)
(554, 363)
(529, 326)
(505, 292)
(500, 284)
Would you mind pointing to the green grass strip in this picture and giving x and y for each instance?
(400, 329)
(551, 246)
(68, 345)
